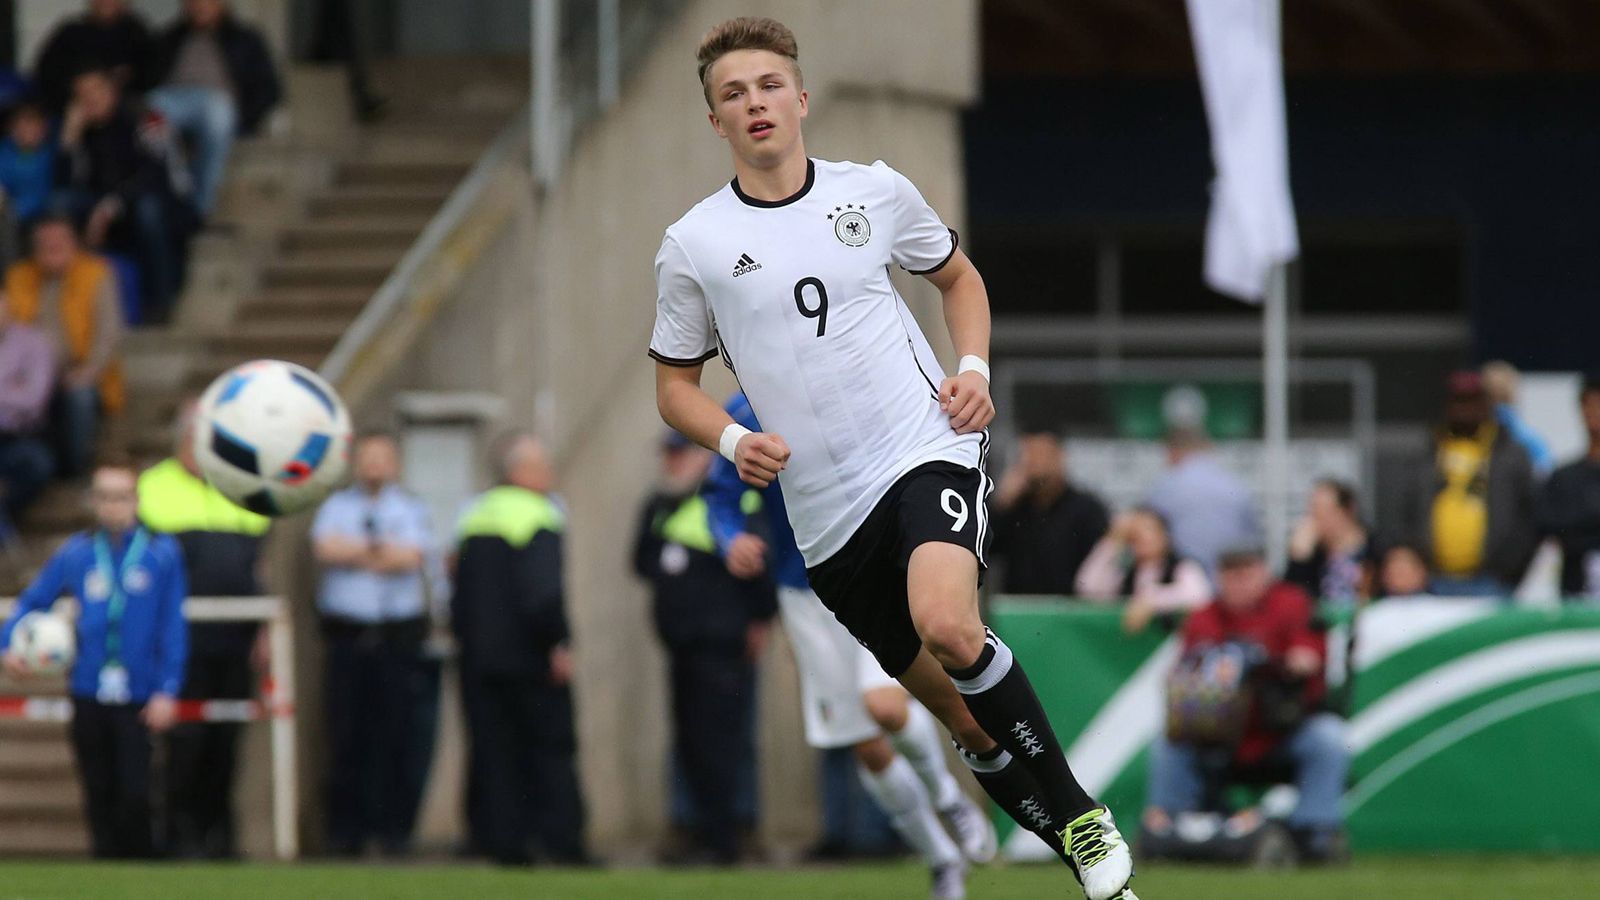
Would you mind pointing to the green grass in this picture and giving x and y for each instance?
(1455, 878)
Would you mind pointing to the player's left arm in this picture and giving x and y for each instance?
(965, 395)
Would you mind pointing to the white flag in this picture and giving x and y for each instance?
(1251, 227)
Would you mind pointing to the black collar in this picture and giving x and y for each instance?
(811, 178)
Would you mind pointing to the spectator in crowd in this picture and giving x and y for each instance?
(1331, 555)
(107, 36)
(115, 171)
(27, 170)
(1135, 562)
(221, 545)
(1471, 504)
(1207, 507)
(510, 621)
(1404, 572)
(27, 379)
(714, 627)
(1274, 620)
(1044, 526)
(373, 540)
(1569, 506)
(71, 296)
(1502, 381)
(216, 80)
(131, 644)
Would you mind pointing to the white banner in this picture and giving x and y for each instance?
(1251, 227)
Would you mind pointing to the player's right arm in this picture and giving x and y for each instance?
(685, 406)
(681, 343)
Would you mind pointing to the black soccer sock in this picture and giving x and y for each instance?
(1002, 701)
(1009, 784)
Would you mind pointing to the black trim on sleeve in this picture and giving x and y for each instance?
(682, 363)
(955, 241)
(811, 178)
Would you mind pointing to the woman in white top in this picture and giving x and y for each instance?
(1135, 562)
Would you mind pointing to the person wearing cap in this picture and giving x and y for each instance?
(1471, 504)
(1207, 507)
(714, 627)
(221, 544)
(1273, 619)
(508, 613)
(131, 644)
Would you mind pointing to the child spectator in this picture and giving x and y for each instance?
(27, 164)
(132, 642)
(1136, 562)
(1404, 572)
(27, 379)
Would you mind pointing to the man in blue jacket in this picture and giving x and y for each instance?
(849, 700)
(130, 588)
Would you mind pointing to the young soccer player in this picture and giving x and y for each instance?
(785, 273)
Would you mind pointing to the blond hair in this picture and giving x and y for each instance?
(745, 33)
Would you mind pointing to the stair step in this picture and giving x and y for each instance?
(275, 341)
(49, 796)
(317, 273)
(376, 234)
(56, 838)
(376, 201)
(217, 363)
(421, 173)
(35, 760)
(292, 305)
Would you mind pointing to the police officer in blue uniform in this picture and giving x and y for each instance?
(132, 644)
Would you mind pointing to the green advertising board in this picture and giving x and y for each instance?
(1474, 727)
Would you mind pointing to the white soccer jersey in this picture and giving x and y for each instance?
(796, 296)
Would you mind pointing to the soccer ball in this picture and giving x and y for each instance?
(272, 436)
(44, 642)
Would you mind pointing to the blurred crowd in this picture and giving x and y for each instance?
(114, 148)
(1249, 700)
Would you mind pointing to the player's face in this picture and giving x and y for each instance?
(756, 105)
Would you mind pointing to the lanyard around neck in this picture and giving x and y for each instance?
(116, 596)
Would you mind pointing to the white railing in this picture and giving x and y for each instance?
(279, 706)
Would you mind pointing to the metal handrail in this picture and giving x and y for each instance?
(391, 296)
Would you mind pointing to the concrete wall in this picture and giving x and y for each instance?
(559, 316)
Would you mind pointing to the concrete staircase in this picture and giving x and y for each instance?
(314, 218)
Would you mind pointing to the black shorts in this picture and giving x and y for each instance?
(864, 584)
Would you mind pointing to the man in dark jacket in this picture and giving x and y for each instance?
(1471, 506)
(215, 80)
(221, 548)
(714, 627)
(510, 620)
(108, 36)
(1044, 526)
(1569, 507)
(115, 173)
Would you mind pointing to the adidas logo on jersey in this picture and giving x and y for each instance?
(745, 265)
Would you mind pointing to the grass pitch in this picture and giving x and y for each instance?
(1452, 878)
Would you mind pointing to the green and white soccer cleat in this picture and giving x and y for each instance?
(1100, 855)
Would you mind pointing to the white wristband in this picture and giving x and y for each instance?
(970, 363)
(730, 441)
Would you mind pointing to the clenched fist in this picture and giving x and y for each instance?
(759, 458)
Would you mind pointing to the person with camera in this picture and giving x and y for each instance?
(1246, 702)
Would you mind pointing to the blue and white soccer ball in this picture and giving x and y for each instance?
(45, 642)
(272, 436)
